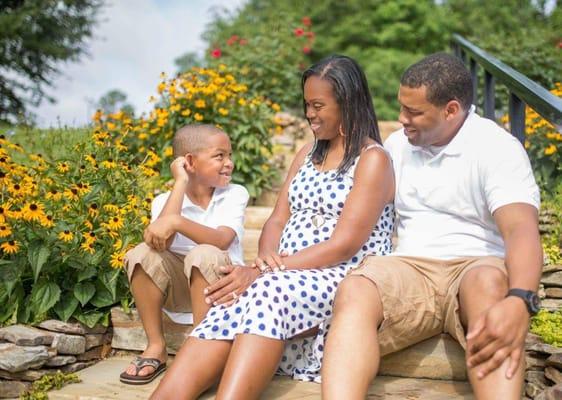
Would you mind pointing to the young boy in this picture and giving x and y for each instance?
(195, 229)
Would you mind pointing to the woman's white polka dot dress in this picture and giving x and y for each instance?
(283, 304)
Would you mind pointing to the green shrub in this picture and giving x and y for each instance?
(40, 387)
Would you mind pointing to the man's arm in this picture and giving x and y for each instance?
(500, 332)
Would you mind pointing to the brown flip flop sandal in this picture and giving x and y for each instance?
(140, 363)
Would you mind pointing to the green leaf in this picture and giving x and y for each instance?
(44, 296)
(9, 275)
(87, 272)
(90, 318)
(38, 253)
(66, 307)
(84, 292)
(109, 280)
(102, 297)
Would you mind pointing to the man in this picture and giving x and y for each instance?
(468, 260)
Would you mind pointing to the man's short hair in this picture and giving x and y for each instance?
(445, 77)
(193, 138)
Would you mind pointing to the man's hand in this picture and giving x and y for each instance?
(499, 333)
(227, 289)
(160, 233)
(177, 168)
(271, 259)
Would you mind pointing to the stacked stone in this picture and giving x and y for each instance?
(543, 375)
(29, 353)
(551, 287)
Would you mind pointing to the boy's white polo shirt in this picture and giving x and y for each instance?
(226, 208)
(445, 203)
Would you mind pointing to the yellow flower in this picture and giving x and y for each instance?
(242, 101)
(117, 259)
(88, 247)
(63, 167)
(111, 208)
(5, 211)
(89, 237)
(54, 194)
(275, 107)
(186, 112)
(223, 111)
(200, 103)
(5, 230)
(10, 247)
(33, 211)
(66, 236)
(16, 189)
(115, 223)
(91, 158)
(198, 117)
(71, 194)
(168, 151)
(111, 126)
(47, 221)
(4, 179)
(89, 225)
(118, 244)
(109, 163)
(550, 150)
(145, 220)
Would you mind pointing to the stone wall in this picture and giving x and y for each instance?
(543, 374)
(28, 353)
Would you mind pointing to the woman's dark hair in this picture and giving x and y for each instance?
(352, 94)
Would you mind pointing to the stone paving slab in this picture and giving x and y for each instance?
(101, 381)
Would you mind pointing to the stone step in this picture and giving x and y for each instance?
(101, 381)
(250, 244)
(256, 216)
(439, 357)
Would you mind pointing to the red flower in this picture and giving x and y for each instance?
(310, 35)
(216, 53)
(306, 21)
(299, 32)
(306, 50)
(243, 42)
(233, 39)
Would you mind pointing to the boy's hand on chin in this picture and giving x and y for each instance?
(177, 168)
(159, 234)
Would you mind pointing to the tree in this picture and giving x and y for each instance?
(187, 61)
(113, 101)
(35, 37)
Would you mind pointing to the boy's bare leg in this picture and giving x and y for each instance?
(149, 300)
(351, 355)
(252, 363)
(198, 306)
(481, 288)
(196, 367)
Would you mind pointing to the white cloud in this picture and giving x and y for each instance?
(134, 41)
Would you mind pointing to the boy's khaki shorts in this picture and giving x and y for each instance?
(171, 272)
(419, 296)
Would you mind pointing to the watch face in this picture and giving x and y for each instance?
(534, 302)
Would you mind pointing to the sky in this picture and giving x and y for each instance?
(134, 41)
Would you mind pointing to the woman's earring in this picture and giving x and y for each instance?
(341, 131)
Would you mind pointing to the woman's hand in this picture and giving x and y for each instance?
(227, 289)
(270, 259)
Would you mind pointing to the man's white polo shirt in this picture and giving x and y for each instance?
(445, 203)
(226, 208)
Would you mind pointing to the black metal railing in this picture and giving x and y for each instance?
(522, 90)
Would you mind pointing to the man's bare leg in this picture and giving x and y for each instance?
(198, 306)
(149, 300)
(196, 367)
(481, 288)
(251, 364)
(351, 355)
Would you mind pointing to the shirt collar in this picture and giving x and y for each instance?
(218, 194)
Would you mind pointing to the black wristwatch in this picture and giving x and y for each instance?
(530, 298)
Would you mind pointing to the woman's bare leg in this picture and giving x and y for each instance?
(197, 366)
(252, 363)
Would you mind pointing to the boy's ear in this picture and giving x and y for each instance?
(190, 162)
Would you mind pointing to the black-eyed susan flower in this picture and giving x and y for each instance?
(10, 247)
(89, 225)
(47, 221)
(63, 167)
(16, 190)
(93, 210)
(71, 193)
(66, 236)
(33, 211)
(88, 247)
(115, 223)
(118, 244)
(91, 158)
(109, 163)
(116, 260)
(4, 178)
(5, 230)
(90, 237)
(111, 207)
(198, 117)
(145, 220)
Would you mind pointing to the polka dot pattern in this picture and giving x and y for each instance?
(283, 304)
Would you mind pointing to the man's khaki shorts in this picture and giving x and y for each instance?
(419, 296)
(171, 272)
